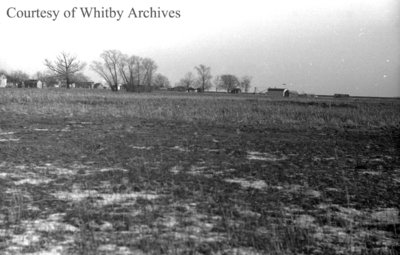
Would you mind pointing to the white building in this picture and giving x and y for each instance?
(3, 81)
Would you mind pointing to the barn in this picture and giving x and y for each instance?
(236, 91)
(178, 88)
(278, 92)
(83, 85)
(32, 84)
(341, 95)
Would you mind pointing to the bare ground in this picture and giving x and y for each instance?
(136, 186)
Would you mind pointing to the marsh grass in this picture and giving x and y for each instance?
(295, 188)
(206, 108)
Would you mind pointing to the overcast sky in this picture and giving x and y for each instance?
(313, 46)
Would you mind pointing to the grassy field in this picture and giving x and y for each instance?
(96, 172)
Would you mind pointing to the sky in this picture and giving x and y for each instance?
(311, 46)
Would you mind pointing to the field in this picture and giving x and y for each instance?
(96, 172)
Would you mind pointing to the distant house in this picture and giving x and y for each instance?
(178, 88)
(341, 95)
(83, 85)
(190, 89)
(3, 81)
(278, 92)
(100, 86)
(32, 84)
(236, 91)
(122, 87)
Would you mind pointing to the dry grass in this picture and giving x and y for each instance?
(96, 172)
(208, 108)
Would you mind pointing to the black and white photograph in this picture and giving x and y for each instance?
(237, 127)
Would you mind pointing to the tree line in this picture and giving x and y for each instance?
(117, 68)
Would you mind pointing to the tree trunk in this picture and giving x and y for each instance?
(67, 80)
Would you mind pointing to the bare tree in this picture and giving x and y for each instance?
(245, 82)
(109, 68)
(79, 77)
(128, 68)
(65, 66)
(187, 81)
(205, 76)
(132, 71)
(160, 81)
(17, 77)
(217, 82)
(228, 82)
(150, 68)
(47, 77)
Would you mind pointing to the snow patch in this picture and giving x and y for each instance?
(386, 215)
(33, 181)
(10, 140)
(110, 169)
(141, 147)
(263, 156)
(7, 133)
(304, 221)
(176, 169)
(102, 198)
(40, 129)
(196, 170)
(257, 184)
(26, 239)
(371, 173)
(178, 148)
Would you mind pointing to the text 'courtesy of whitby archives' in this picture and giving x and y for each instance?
(93, 13)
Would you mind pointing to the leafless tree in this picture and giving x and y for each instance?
(132, 71)
(150, 68)
(47, 77)
(79, 77)
(217, 82)
(65, 66)
(17, 77)
(245, 82)
(187, 81)
(128, 69)
(160, 81)
(228, 82)
(137, 71)
(109, 67)
(205, 76)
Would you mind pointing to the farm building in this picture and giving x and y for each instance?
(178, 88)
(278, 92)
(122, 87)
(32, 84)
(100, 86)
(200, 90)
(83, 85)
(236, 91)
(341, 95)
(3, 81)
(190, 89)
